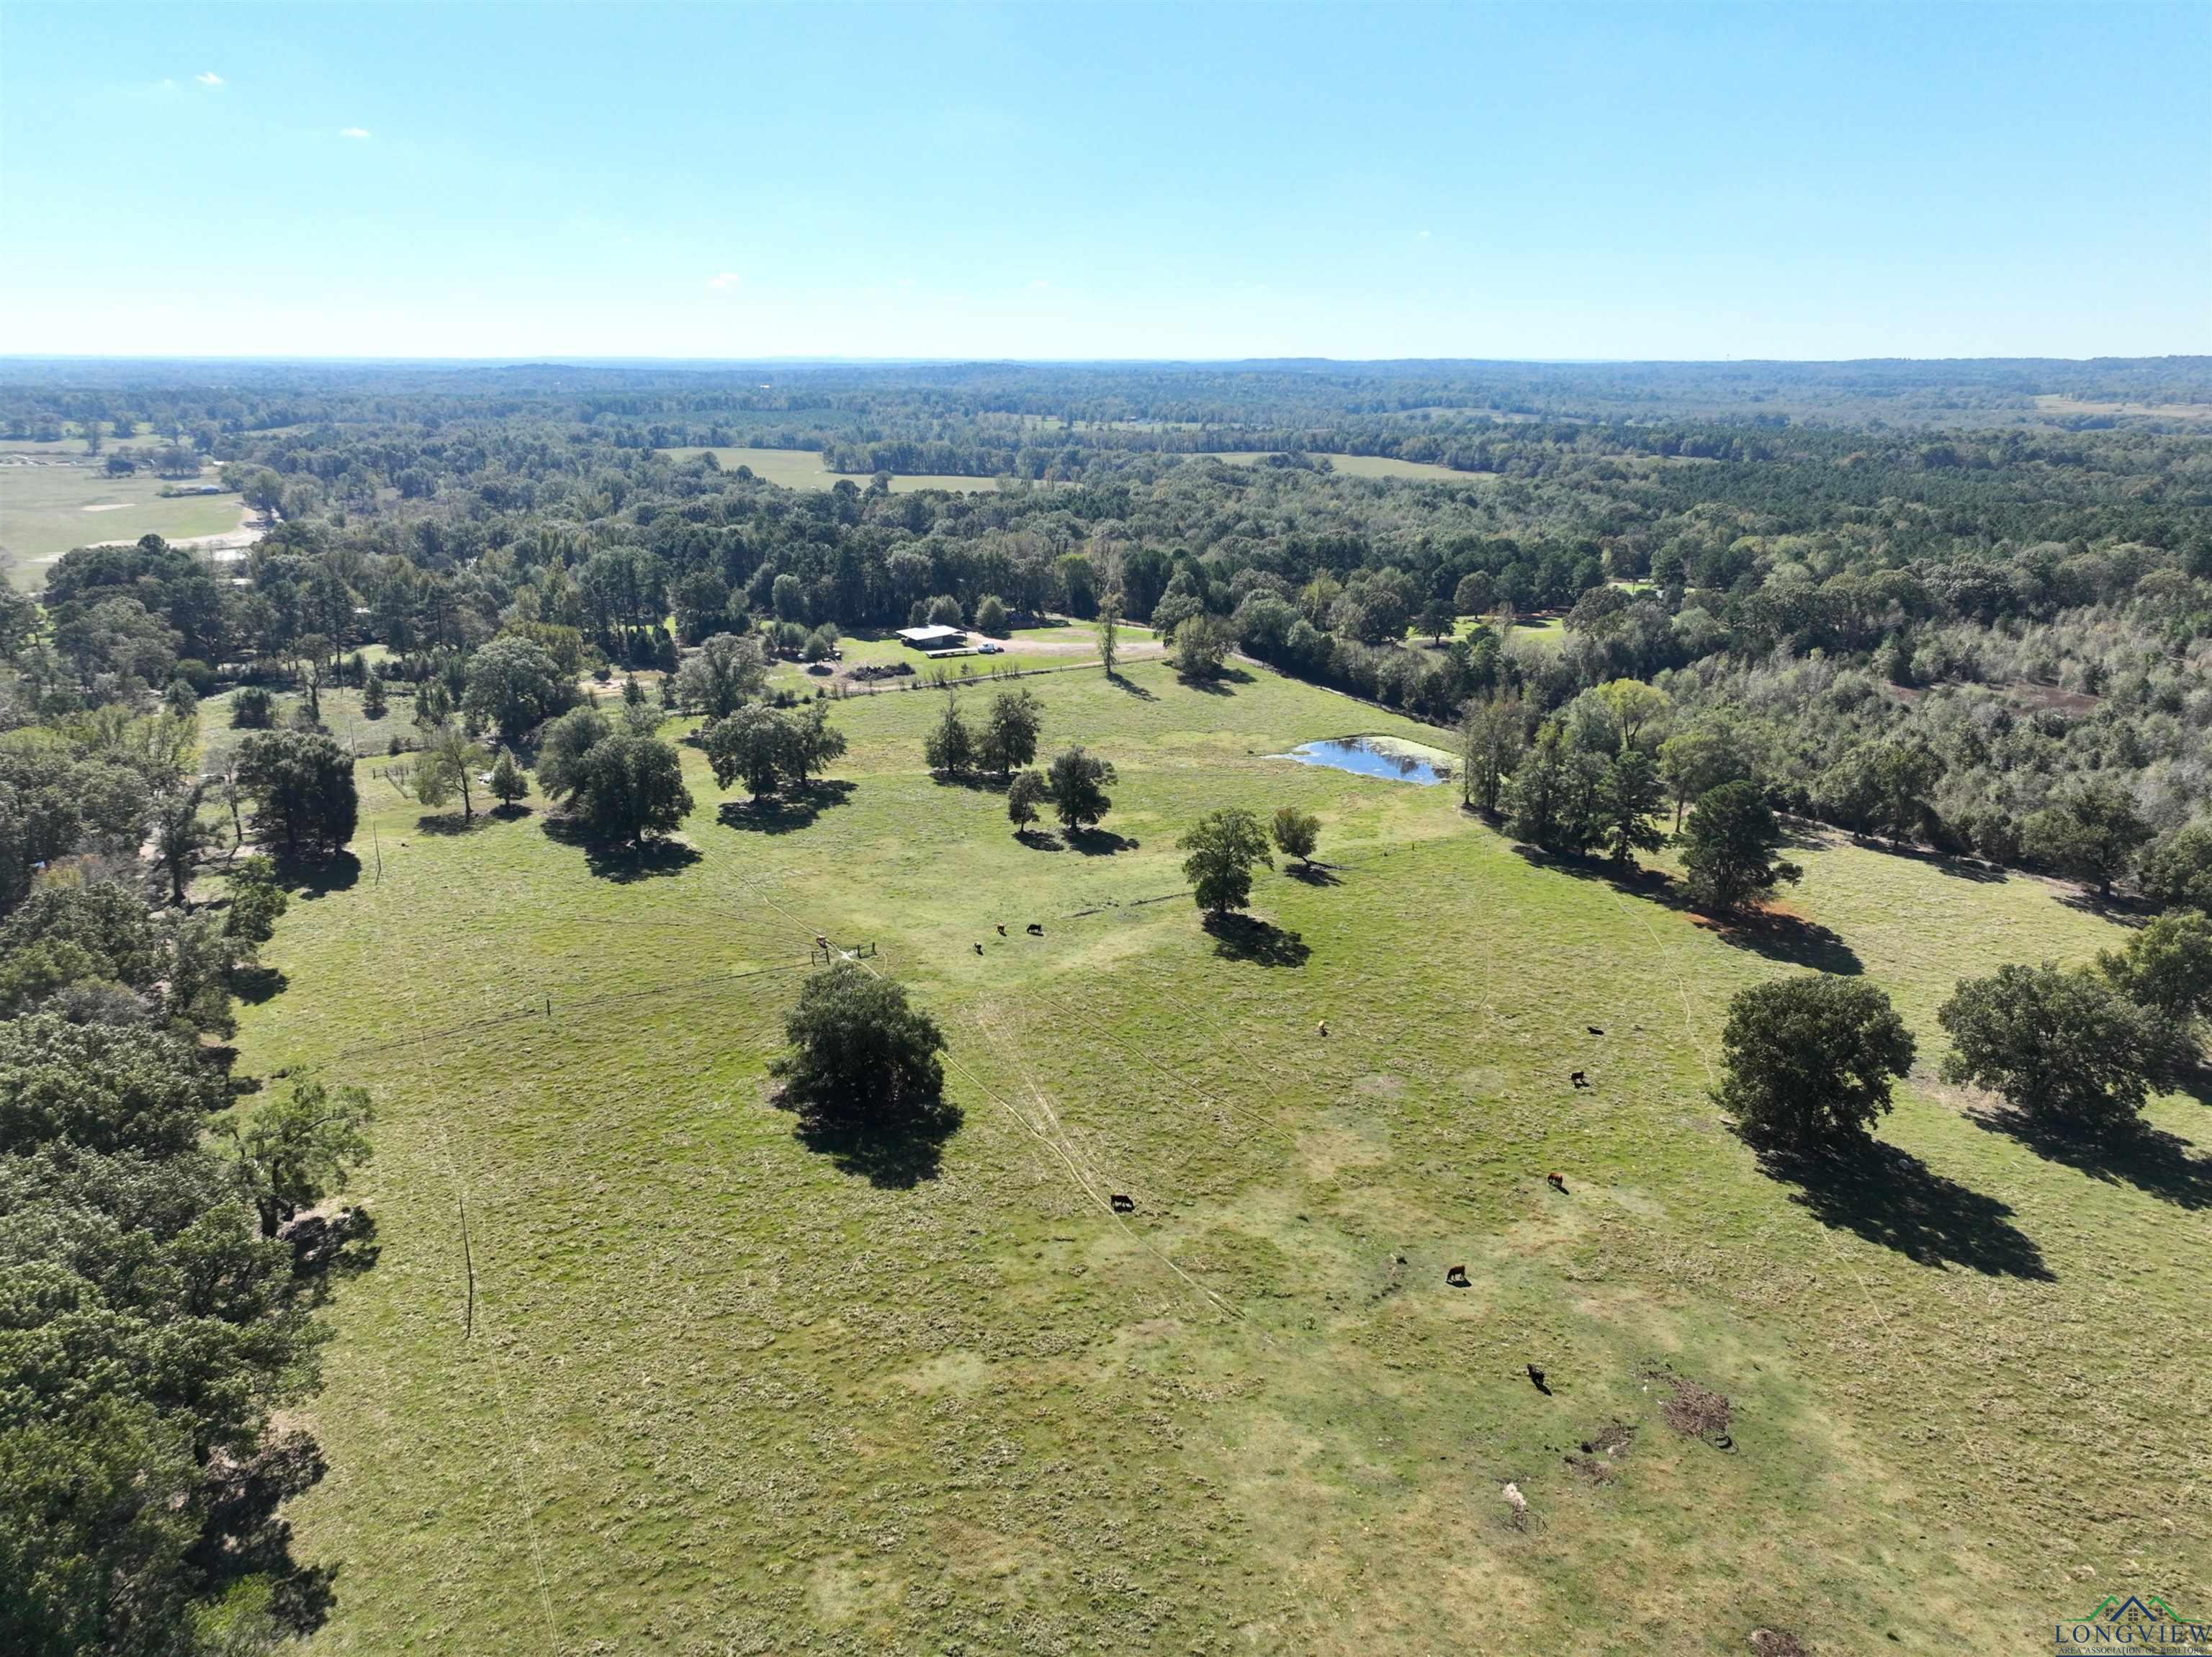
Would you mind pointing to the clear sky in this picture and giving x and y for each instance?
(1534, 180)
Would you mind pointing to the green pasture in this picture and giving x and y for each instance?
(1370, 466)
(47, 510)
(721, 1393)
(802, 468)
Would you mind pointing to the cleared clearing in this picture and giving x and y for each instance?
(802, 468)
(47, 508)
(724, 1395)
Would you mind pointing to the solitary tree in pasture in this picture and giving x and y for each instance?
(861, 1055)
(1010, 738)
(1223, 846)
(2064, 1048)
(1076, 781)
(1110, 626)
(631, 786)
(1810, 1059)
(1296, 833)
(449, 766)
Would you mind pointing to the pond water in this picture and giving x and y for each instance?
(1369, 757)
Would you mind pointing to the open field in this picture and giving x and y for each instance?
(724, 1395)
(2053, 403)
(802, 468)
(47, 510)
(1373, 466)
(1066, 645)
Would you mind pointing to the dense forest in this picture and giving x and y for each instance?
(1919, 601)
(2016, 604)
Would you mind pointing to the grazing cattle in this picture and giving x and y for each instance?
(1035, 931)
(1557, 1182)
(1578, 1079)
(1323, 1027)
(1002, 929)
(1122, 1204)
(1593, 1029)
(1537, 1376)
(979, 948)
(1456, 1276)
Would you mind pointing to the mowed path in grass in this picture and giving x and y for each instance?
(723, 1395)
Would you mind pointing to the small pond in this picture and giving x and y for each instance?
(1372, 756)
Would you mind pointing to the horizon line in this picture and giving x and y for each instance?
(561, 360)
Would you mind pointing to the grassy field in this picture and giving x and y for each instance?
(726, 1395)
(802, 468)
(44, 510)
(1373, 466)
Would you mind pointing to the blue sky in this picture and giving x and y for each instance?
(1537, 180)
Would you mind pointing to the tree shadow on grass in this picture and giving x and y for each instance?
(1131, 685)
(1038, 839)
(1224, 683)
(771, 814)
(1313, 874)
(1890, 1197)
(981, 782)
(247, 1536)
(2155, 1162)
(1248, 938)
(894, 1156)
(256, 983)
(2110, 906)
(1786, 938)
(1763, 932)
(513, 813)
(648, 860)
(448, 823)
(310, 878)
(1097, 843)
